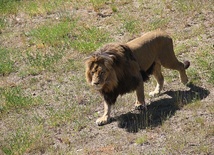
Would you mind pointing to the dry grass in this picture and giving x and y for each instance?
(46, 107)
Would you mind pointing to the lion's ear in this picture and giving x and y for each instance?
(112, 56)
(109, 61)
(88, 61)
(87, 58)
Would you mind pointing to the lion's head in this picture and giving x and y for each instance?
(112, 68)
(100, 72)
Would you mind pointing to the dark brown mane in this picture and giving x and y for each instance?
(126, 68)
(120, 58)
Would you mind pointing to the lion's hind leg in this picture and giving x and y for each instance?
(180, 67)
(182, 72)
(159, 79)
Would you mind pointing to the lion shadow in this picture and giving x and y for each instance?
(158, 111)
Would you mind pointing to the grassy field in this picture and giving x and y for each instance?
(46, 106)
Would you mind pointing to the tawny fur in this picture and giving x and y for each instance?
(117, 69)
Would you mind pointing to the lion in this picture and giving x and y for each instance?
(117, 69)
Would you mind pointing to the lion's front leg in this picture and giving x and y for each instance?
(159, 79)
(106, 116)
(140, 101)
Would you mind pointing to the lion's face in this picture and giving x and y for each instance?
(100, 73)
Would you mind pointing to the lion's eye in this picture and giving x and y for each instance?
(92, 72)
(101, 73)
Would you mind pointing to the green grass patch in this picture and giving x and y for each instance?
(194, 75)
(194, 105)
(98, 4)
(89, 39)
(56, 35)
(196, 31)
(69, 115)
(180, 49)
(128, 23)
(40, 62)
(19, 142)
(30, 7)
(6, 63)
(157, 23)
(205, 61)
(132, 26)
(2, 24)
(141, 140)
(188, 6)
(69, 33)
(211, 78)
(9, 6)
(71, 65)
(14, 98)
(41, 7)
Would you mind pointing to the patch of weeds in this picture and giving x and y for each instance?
(194, 75)
(71, 114)
(41, 7)
(30, 7)
(132, 26)
(6, 64)
(141, 140)
(33, 81)
(98, 4)
(56, 35)
(200, 121)
(196, 31)
(114, 8)
(129, 23)
(205, 61)
(175, 142)
(40, 62)
(2, 24)
(194, 105)
(171, 75)
(71, 65)
(180, 49)
(9, 6)
(89, 39)
(211, 110)
(157, 23)
(19, 142)
(14, 98)
(187, 6)
(211, 78)
(204, 149)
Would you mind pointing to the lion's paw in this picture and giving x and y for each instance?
(102, 120)
(184, 80)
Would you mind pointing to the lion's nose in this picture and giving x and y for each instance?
(96, 83)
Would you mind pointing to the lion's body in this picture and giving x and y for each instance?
(117, 69)
(156, 46)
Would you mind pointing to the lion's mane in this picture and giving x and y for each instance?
(120, 59)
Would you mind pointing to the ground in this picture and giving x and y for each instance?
(46, 106)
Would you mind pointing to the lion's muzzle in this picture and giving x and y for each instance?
(97, 85)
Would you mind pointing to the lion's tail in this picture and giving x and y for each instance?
(186, 64)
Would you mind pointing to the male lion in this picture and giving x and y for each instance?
(117, 69)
